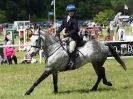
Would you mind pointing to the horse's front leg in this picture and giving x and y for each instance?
(55, 81)
(44, 75)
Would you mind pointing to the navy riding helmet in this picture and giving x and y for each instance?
(70, 8)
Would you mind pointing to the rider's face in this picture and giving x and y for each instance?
(71, 13)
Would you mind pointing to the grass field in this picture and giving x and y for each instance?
(15, 79)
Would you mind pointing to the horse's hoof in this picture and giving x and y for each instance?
(107, 83)
(55, 92)
(27, 93)
(93, 89)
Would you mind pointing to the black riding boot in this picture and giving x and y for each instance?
(71, 64)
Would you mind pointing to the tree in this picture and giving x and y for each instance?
(86, 9)
(12, 10)
(118, 5)
(2, 16)
(83, 10)
(22, 15)
(130, 6)
(104, 17)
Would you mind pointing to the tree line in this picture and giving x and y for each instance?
(36, 10)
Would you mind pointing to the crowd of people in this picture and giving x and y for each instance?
(8, 55)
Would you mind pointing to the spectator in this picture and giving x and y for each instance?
(28, 58)
(50, 30)
(9, 53)
(82, 31)
(7, 37)
(85, 33)
(107, 37)
(95, 30)
(121, 35)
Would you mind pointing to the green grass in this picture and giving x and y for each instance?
(15, 79)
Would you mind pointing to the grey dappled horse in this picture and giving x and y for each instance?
(57, 59)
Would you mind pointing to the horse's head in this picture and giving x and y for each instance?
(42, 40)
(34, 43)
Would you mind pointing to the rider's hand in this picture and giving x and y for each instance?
(65, 35)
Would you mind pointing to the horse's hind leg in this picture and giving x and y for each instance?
(44, 75)
(98, 71)
(104, 77)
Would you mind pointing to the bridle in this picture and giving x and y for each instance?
(47, 46)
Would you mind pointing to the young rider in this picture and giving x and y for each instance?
(70, 24)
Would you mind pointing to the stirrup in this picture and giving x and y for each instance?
(71, 65)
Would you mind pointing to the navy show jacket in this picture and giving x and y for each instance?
(71, 28)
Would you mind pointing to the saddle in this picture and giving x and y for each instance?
(73, 55)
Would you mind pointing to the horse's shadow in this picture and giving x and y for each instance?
(86, 90)
(74, 91)
(98, 90)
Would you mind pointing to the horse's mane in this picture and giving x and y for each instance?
(45, 34)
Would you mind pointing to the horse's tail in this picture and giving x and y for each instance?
(116, 56)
